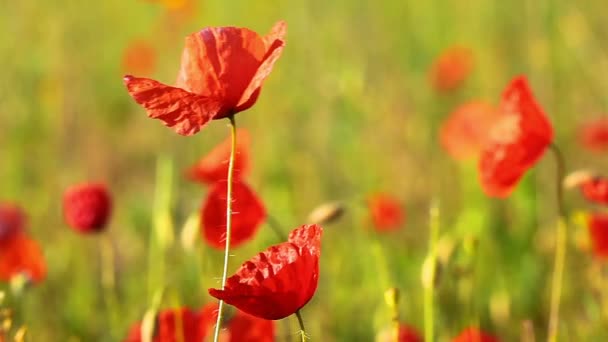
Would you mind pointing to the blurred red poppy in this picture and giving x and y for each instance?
(472, 334)
(451, 68)
(593, 135)
(19, 254)
(248, 213)
(139, 57)
(595, 189)
(214, 166)
(87, 207)
(385, 211)
(597, 224)
(279, 281)
(516, 142)
(406, 334)
(12, 220)
(221, 74)
(466, 129)
(198, 326)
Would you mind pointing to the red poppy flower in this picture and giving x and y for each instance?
(214, 166)
(516, 142)
(139, 57)
(472, 334)
(465, 130)
(595, 190)
(87, 207)
(222, 72)
(451, 68)
(598, 231)
(406, 334)
(21, 255)
(593, 135)
(12, 220)
(248, 213)
(386, 212)
(279, 281)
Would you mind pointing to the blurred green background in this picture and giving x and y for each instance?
(347, 110)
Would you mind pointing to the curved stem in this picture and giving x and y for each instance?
(216, 334)
(559, 260)
(302, 328)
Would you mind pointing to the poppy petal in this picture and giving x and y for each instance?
(21, 255)
(248, 213)
(465, 131)
(177, 108)
(279, 281)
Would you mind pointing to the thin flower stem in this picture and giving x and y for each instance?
(274, 224)
(228, 224)
(429, 274)
(302, 328)
(560, 250)
(108, 279)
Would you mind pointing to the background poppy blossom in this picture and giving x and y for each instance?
(385, 211)
(595, 190)
(451, 68)
(593, 135)
(597, 224)
(406, 334)
(279, 281)
(12, 220)
(464, 132)
(472, 334)
(516, 142)
(20, 254)
(214, 166)
(248, 213)
(139, 57)
(87, 207)
(221, 74)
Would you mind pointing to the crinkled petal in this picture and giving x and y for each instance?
(185, 112)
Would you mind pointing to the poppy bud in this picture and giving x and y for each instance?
(578, 178)
(87, 207)
(12, 220)
(326, 213)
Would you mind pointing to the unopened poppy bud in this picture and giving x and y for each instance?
(20, 334)
(190, 232)
(431, 271)
(326, 213)
(391, 296)
(578, 178)
(87, 207)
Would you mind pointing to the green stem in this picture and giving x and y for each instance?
(560, 250)
(274, 224)
(108, 280)
(216, 335)
(429, 274)
(302, 328)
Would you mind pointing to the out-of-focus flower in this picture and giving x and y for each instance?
(221, 74)
(465, 131)
(279, 281)
(385, 211)
(593, 186)
(517, 140)
(406, 334)
(12, 220)
(597, 224)
(451, 68)
(248, 213)
(593, 135)
(472, 334)
(139, 57)
(326, 213)
(214, 166)
(21, 255)
(87, 207)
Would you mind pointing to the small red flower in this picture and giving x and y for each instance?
(12, 220)
(214, 166)
(221, 74)
(598, 231)
(139, 57)
(516, 142)
(386, 212)
(593, 135)
(472, 334)
(21, 255)
(406, 334)
(87, 207)
(466, 129)
(279, 281)
(451, 68)
(595, 189)
(248, 213)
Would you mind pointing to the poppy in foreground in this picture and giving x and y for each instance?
(598, 231)
(465, 130)
(593, 135)
(279, 281)
(385, 212)
(451, 68)
(248, 213)
(221, 74)
(214, 166)
(406, 334)
(87, 207)
(517, 140)
(19, 254)
(472, 334)
(12, 220)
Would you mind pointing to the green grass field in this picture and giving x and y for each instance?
(347, 111)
